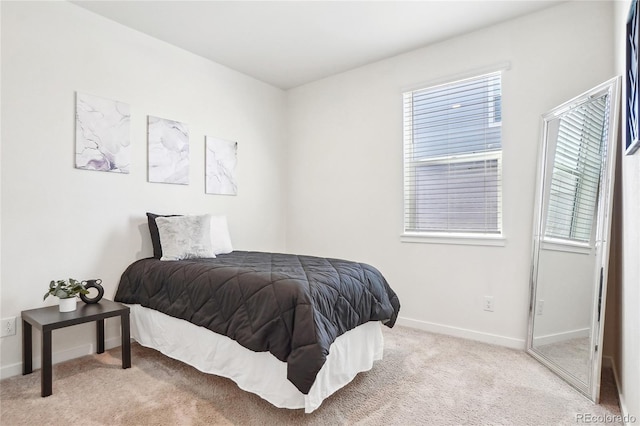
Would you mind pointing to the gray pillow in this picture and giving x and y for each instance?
(185, 237)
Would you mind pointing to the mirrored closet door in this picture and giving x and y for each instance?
(571, 231)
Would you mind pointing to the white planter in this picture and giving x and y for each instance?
(68, 304)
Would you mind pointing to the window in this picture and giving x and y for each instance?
(576, 172)
(453, 158)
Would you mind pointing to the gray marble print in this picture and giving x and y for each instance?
(221, 160)
(102, 134)
(168, 151)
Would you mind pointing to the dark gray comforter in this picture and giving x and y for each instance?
(292, 306)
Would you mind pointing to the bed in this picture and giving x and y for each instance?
(292, 329)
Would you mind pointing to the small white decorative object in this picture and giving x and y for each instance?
(68, 305)
(221, 159)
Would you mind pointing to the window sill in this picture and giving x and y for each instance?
(457, 239)
(566, 246)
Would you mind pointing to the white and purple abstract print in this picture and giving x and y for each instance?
(102, 134)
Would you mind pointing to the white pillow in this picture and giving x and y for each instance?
(220, 238)
(185, 237)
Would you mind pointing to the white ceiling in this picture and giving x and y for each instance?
(290, 43)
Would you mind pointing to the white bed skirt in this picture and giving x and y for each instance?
(257, 372)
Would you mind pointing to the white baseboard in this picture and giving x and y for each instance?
(57, 357)
(624, 412)
(479, 336)
(561, 337)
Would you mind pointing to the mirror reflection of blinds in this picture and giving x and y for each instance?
(452, 157)
(576, 172)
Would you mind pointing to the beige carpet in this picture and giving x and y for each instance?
(425, 379)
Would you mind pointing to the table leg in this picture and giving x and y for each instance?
(46, 382)
(100, 334)
(27, 348)
(126, 340)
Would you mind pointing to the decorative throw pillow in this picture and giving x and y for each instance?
(220, 238)
(185, 237)
(153, 231)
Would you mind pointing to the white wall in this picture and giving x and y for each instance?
(345, 161)
(626, 316)
(60, 222)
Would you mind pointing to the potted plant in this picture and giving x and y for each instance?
(66, 291)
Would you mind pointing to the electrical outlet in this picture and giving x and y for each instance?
(539, 307)
(8, 327)
(488, 304)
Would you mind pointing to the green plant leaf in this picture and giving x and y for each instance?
(65, 289)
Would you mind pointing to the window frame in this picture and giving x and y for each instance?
(455, 237)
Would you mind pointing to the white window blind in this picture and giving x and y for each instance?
(453, 157)
(576, 172)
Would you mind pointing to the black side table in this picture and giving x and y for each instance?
(50, 318)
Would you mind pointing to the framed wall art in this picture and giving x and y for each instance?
(102, 134)
(168, 151)
(221, 159)
(632, 138)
